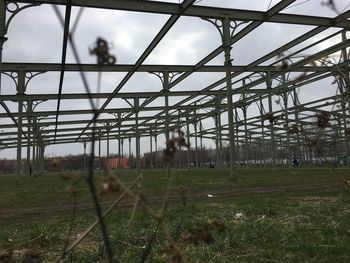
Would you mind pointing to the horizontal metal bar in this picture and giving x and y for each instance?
(127, 95)
(198, 11)
(48, 67)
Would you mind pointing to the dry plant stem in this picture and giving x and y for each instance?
(319, 150)
(149, 245)
(91, 183)
(91, 170)
(132, 194)
(77, 58)
(134, 209)
(332, 166)
(72, 222)
(92, 226)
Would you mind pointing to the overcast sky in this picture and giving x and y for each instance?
(35, 35)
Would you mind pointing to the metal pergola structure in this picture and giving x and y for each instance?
(273, 75)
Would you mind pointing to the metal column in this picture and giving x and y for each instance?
(272, 131)
(286, 115)
(20, 93)
(138, 160)
(107, 164)
(188, 140)
(196, 143)
(99, 150)
(84, 145)
(150, 145)
(130, 164)
(2, 33)
(29, 119)
(227, 49)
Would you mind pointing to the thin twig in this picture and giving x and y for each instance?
(149, 245)
(91, 183)
(90, 177)
(134, 209)
(92, 226)
(71, 222)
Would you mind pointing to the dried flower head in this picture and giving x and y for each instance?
(182, 194)
(101, 50)
(55, 165)
(170, 248)
(331, 5)
(74, 179)
(347, 183)
(201, 233)
(6, 256)
(322, 119)
(176, 141)
(293, 129)
(347, 132)
(269, 116)
(109, 185)
(283, 66)
(32, 256)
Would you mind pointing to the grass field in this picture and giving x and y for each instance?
(288, 227)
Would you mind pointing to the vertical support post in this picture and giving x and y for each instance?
(286, 116)
(20, 93)
(138, 161)
(150, 145)
(108, 166)
(166, 106)
(218, 143)
(246, 154)
(34, 146)
(156, 146)
(272, 131)
(99, 150)
(84, 145)
(239, 156)
(130, 164)
(341, 143)
(335, 143)
(296, 117)
(119, 146)
(29, 111)
(38, 156)
(195, 142)
(2, 33)
(262, 132)
(201, 143)
(42, 158)
(188, 140)
(227, 49)
(180, 150)
(346, 100)
(166, 98)
(217, 150)
(37, 159)
(122, 143)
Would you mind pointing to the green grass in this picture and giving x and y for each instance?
(50, 189)
(293, 227)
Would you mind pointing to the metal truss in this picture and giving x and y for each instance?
(257, 83)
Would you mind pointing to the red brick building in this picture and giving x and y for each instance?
(118, 162)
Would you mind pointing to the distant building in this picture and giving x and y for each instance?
(118, 162)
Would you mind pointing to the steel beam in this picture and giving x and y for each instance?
(199, 11)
